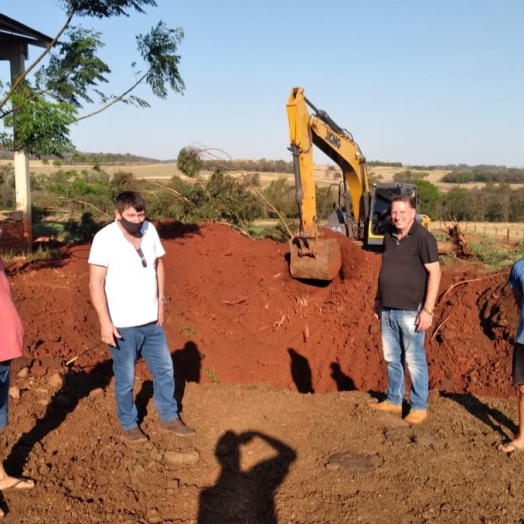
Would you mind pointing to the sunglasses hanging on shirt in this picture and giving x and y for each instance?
(142, 257)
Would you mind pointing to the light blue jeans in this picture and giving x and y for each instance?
(149, 340)
(402, 343)
(5, 375)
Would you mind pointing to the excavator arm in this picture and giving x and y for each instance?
(318, 129)
(364, 214)
(310, 256)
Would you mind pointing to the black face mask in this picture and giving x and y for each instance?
(131, 227)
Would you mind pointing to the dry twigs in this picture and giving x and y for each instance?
(441, 298)
(240, 300)
(69, 362)
(277, 325)
(438, 327)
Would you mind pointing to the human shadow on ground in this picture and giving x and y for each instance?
(343, 381)
(490, 416)
(301, 372)
(187, 366)
(171, 229)
(76, 387)
(245, 496)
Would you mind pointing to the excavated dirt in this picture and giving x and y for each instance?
(275, 376)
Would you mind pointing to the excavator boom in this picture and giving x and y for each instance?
(364, 214)
(311, 257)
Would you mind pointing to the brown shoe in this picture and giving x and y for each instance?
(134, 436)
(386, 406)
(177, 427)
(416, 416)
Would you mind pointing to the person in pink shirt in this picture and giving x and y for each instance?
(11, 344)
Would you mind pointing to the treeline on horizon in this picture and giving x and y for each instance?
(459, 173)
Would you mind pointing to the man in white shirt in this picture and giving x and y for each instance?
(127, 291)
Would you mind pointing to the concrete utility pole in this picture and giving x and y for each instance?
(15, 39)
(17, 54)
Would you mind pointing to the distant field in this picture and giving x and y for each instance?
(323, 175)
(154, 171)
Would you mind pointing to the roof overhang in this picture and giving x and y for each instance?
(12, 31)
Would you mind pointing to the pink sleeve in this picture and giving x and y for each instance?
(11, 328)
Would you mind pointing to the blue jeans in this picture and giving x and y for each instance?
(5, 375)
(150, 340)
(401, 342)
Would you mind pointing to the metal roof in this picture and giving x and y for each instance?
(12, 31)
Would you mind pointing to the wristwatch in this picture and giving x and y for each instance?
(429, 311)
(163, 300)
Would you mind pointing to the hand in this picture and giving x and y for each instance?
(423, 321)
(109, 332)
(160, 320)
(377, 309)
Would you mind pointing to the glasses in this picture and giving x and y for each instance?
(142, 257)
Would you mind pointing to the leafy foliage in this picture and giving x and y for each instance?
(38, 111)
(74, 69)
(42, 126)
(105, 8)
(189, 161)
(428, 197)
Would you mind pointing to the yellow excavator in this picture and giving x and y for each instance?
(363, 211)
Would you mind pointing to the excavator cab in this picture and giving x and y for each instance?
(382, 195)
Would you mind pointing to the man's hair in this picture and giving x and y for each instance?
(410, 201)
(128, 199)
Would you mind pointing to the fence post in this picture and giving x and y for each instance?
(507, 235)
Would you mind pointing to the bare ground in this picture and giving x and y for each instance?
(275, 375)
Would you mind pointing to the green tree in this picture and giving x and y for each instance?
(428, 198)
(281, 195)
(409, 176)
(43, 103)
(455, 204)
(189, 161)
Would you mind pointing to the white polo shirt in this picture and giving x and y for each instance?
(131, 289)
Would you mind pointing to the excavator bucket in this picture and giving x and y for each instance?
(321, 261)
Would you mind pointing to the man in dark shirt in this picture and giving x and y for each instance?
(408, 285)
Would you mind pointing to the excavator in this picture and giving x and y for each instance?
(363, 211)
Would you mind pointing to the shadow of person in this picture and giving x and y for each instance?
(241, 497)
(171, 229)
(186, 367)
(343, 381)
(77, 385)
(490, 416)
(301, 372)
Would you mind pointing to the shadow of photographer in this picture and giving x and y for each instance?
(245, 496)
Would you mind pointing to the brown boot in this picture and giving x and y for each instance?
(177, 427)
(416, 416)
(134, 436)
(386, 406)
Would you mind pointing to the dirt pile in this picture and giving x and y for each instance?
(235, 315)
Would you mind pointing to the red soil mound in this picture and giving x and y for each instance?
(235, 315)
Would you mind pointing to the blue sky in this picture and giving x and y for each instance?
(415, 81)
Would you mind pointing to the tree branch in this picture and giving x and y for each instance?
(114, 101)
(84, 203)
(20, 79)
(441, 298)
